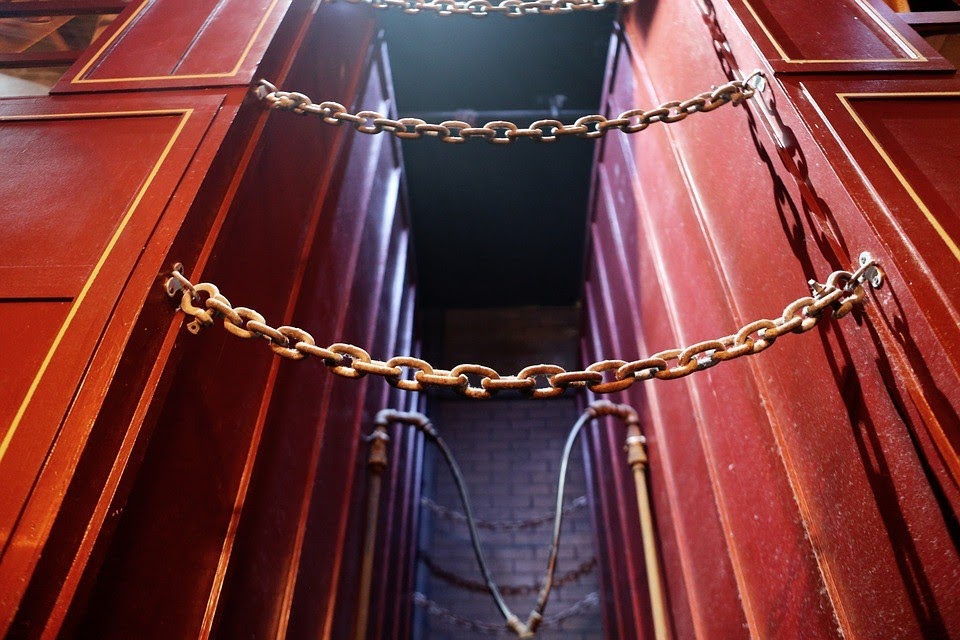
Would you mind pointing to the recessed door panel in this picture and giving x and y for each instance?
(88, 183)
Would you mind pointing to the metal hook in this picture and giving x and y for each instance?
(869, 271)
(756, 81)
(177, 282)
(263, 89)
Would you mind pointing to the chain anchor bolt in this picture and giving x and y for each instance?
(263, 89)
(172, 286)
(872, 272)
(757, 81)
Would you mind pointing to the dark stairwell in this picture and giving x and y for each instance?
(499, 239)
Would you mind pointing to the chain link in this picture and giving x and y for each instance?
(504, 132)
(476, 586)
(841, 292)
(483, 8)
(588, 603)
(501, 525)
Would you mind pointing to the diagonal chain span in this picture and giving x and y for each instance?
(587, 603)
(483, 8)
(505, 132)
(499, 525)
(842, 291)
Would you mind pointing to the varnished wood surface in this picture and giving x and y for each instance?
(179, 43)
(830, 458)
(158, 457)
(861, 35)
(46, 423)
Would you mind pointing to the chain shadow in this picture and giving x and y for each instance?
(815, 210)
(937, 399)
(882, 483)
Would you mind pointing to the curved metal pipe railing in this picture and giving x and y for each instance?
(637, 459)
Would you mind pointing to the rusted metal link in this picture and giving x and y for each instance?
(623, 412)
(587, 603)
(386, 417)
(500, 525)
(502, 131)
(842, 291)
(476, 586)
(483, 8)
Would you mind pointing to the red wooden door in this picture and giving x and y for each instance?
(142, 466)
(812, 489)
(86, 189)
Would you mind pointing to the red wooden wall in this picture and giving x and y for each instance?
(159, 484)
(811, 490)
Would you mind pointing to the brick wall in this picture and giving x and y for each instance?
(509, 451)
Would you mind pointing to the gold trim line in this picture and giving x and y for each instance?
(932, 219)
(78, 79)
(186, 113)
(908, 49)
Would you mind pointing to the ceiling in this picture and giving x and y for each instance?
(498, 225)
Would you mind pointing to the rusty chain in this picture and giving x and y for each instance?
(501, 525)
(504, 132)
(585, 567)
(483, 8)
(841, 292)
(587, 603)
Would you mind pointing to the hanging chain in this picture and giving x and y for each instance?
(483, 8)
(588, 603)
(504, 132)
(501, 525)
(476, 586)
(841, 292)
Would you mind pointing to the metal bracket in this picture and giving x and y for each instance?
(263, 88)
(874, 274)
(173, 286)
(177, 285)
(757, 81)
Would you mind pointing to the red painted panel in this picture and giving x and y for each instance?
(321, 571)
(389, 595)
(670, 233)
(378, 270)
(49, 221)
(23, 350)
(609, 252)
(104, 230)
(177, 566)
(902, 125)
(834, 505)
(282, 558)
(693, 543)
(182, 576)
(805, 36)
(135, 346)
(857, 499)
(181, 42)
(881, 127)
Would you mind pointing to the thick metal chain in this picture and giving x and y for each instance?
(587, 603)
(504, 132)
(476, 586)
(501, 525)
(841, 292)
(483, 8)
